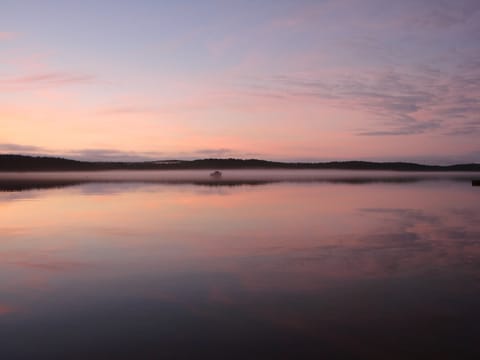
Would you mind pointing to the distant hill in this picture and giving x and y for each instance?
(31, 163)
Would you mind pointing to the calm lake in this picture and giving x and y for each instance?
(255, 265)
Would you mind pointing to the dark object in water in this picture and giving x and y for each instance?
(475, 182)
(216, 174)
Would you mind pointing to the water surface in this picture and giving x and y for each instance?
(259, 265)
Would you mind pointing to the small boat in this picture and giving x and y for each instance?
(475, 182)
(216, 174)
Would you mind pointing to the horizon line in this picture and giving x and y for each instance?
(236, 159)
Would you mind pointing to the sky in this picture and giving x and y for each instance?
(292, 80)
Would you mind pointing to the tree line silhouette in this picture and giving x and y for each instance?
(42, 163)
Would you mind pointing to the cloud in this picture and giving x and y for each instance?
(221, 152)
(118, 155)
(410, 100)
(102, 154)
(412, 66)
(81, 154)
(410, 129)
(112, 155)
(443, 14)
(46, 79)
(125, 110)
(8, 147)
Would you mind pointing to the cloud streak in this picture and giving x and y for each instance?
(221, 152)
(113, 155)
(126, 110)
(46, 79)
(8, 147)
(444, 14)
(102, 154)
(303, 79)
(402, 102)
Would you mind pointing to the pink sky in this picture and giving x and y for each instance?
(304, 80)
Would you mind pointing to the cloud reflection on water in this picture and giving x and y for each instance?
(287, 260)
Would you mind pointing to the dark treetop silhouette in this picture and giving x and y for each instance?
(30, 163)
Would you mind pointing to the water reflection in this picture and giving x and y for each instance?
(47, 180)
(285, 270)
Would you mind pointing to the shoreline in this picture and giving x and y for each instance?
(22, 163)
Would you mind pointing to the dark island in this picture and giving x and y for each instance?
(32, 163)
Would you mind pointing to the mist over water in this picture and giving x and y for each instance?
(228, 177)
(304, 264)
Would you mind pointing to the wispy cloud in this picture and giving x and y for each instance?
(81, 154)
(104, 154)
(117, 155)
(125, 110)
(221, 152)
(409, 70)
(46, 79)
(113, 155)
(8, 147)
(402, 102)
(408, 129)
(444, 14)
